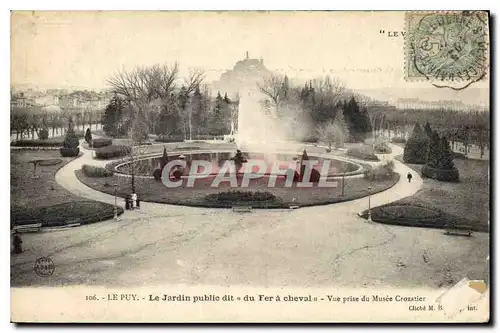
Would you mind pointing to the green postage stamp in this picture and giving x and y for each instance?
(449, 49)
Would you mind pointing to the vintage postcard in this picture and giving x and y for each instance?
(250, 166)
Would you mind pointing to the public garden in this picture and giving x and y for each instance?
(375, 228)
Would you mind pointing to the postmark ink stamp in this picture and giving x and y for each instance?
(44, 266)
(448, 49)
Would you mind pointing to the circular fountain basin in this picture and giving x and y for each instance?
(264, 164)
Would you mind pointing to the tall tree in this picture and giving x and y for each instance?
(113, 119)
(416, 146)
(434, 151)
(446, 160)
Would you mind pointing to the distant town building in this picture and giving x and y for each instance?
(417, 103)
(21, 101)
(245, 75)
(46, 100)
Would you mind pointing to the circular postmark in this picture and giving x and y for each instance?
(44, 266)
(449, 48)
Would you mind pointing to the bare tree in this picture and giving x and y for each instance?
(148, 89)
(274, 87)
(329, 88)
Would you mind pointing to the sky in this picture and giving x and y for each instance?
(59, 49)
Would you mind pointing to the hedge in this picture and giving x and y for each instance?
(168, 138)
(241, 196)
(459, 156)
(96, 171)
(69, 152)
(362, 153)
(440, 174)
(58, 142)
(207, 137)
(99, 143)
(112, 151)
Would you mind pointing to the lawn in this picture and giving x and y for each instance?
(467, 199)
(150, 190)
(40, 199)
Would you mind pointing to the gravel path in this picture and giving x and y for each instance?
(315, 246)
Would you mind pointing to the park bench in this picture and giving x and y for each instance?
(242, 209)
(458, 231)
(35, 227)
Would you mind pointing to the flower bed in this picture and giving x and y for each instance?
(95, 171)
(53, 161)
(416, 215)
(82, 212)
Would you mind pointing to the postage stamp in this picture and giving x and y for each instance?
(447, 48)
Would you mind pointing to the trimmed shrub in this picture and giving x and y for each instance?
(207, 137)
(451, 175)
(157, 174)
(43, 134)
(381, 172)
(99, 143)
(459, 156)
(169, 138)
(95, 171)
(362, 153)
(398, 139)
(53, 142)
(71, 140)
(112, 151)
(69, 152)
(240, 196)
(382, 148)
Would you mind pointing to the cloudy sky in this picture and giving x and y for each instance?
(84, 48)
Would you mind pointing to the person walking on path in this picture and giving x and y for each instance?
(409, 177)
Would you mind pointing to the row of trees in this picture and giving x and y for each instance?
(467, 127)
(26, 124)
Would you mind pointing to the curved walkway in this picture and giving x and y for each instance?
(66, 177)
(319, 246)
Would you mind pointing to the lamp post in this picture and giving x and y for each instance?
(369, 204)
(115, 185)
(343, 182)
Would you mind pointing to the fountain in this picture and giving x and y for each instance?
(257, 131)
